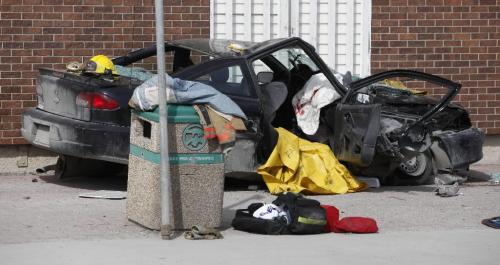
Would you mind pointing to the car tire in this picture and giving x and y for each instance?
(71, 166)
(418, 170)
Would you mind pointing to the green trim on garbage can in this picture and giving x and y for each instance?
(176, 114)
(176, 158)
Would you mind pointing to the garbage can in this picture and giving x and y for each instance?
(196, 170)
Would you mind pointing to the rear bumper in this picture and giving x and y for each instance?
(77, 138)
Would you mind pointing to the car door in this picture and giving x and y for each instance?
(355, 132)
(357, 118)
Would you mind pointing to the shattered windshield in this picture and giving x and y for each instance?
(293, 56)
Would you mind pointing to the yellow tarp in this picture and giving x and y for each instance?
(298, 165)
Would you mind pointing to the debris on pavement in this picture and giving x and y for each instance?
(495, 178)
(202, 232)
(449, 179)
(34, 180)
(372, 182)
(448, 190)
(493, 222)
(105, 194)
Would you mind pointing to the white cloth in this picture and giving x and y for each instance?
(270, 211)
(307, 103)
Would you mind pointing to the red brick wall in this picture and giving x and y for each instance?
(456, 39)
(51, 33)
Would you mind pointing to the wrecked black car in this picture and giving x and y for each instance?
(379, 126)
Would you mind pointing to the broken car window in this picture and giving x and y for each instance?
(228, 80)
(176, 59)
(291, 57)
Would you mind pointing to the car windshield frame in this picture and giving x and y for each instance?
(308, 50)
(182, 57)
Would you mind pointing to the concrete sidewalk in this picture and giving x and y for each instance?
(45, 222)
(423, 247)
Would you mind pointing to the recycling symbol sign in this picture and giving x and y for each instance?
(193, 137)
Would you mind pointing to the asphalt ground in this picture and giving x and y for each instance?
(43, 221)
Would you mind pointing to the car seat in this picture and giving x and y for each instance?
(285, 116)
(273, 97)
(274, 94)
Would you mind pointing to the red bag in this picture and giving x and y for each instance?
(360, 225)
(332, 217)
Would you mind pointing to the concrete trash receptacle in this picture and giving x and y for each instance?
(196, 170)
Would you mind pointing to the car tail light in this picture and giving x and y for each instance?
(96, 100)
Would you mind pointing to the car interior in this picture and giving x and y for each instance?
(292, 68)
(281, 74)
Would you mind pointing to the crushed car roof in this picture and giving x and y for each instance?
(223, 47)
(216, 48)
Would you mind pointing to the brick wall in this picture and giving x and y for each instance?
(456, 39)
(51, 33)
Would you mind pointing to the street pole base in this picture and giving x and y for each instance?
(166, 232)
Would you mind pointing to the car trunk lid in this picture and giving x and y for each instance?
(58, 93)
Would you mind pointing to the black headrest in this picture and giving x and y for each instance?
(220, 76)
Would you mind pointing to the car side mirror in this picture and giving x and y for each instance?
(265, 77)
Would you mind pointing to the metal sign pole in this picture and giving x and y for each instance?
(165, 184)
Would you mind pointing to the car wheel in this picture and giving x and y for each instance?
(417, 170)
(70, 166)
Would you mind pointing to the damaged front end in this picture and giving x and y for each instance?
(400, 136)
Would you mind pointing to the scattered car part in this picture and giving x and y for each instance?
(448, 190)
(45, 169)
(105, 194)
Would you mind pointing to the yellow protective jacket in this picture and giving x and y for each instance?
(298, 165)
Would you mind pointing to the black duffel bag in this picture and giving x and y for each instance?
(307, 216)
(244, 221)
